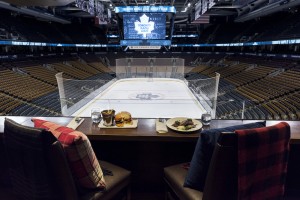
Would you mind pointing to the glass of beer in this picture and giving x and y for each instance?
(108, 117)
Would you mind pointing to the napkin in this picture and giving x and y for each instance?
(75, 122)
(161, 126)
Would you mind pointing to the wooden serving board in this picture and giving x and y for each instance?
(133, 125)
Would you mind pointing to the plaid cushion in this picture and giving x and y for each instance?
(262, 161)
(82, 160)
(204, 149)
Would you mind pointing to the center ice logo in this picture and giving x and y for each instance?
(145, 26)
(146, 96)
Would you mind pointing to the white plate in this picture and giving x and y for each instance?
(171, 121)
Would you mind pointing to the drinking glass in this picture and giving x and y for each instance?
(206, 118)
(96, 115)
(108, 117)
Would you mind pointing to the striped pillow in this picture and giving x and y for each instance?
(82, 160)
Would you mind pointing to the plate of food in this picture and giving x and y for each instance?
(183, 124)
(122, 119)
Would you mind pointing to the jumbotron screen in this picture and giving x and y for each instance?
(144, 26)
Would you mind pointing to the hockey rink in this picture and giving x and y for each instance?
(147, 98)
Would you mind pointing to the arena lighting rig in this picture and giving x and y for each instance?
(96, 8)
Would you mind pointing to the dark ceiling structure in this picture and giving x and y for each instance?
(239, 10)
(65, 11)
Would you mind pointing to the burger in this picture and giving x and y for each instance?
(123, 118)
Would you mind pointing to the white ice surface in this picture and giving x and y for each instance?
(169, 98)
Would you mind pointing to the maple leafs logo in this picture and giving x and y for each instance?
(145, 26)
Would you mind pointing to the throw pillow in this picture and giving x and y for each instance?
(197, 172)
(82, 160)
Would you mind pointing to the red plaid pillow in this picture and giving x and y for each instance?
(82, 160)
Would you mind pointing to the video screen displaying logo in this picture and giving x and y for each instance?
(144, 26)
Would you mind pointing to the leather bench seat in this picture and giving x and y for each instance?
(174, 177)
(113, 184)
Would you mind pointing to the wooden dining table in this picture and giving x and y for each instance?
(145, 131)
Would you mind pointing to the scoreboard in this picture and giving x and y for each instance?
(144, 26)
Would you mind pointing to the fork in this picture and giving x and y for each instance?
(78, 119)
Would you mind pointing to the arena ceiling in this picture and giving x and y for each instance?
(239, 10)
